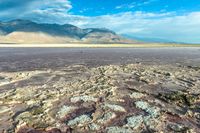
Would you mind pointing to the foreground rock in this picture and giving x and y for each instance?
(113, 99)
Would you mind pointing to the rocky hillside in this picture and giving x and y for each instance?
(24, 31)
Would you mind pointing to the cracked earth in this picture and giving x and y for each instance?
(114, 98)
(109, 98)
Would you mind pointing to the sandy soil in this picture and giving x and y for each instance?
(114, 90)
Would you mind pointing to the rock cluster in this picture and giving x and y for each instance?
(114, 99)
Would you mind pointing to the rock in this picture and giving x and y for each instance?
(118, 130)
(153, 111)
(94, 127)
(83, 98)
(4, 109)
(54, 130)
(79, 121)
(108, 116)
(134, 121)
(178, 127)
(136, 95)
(64, 110)
(151, 123)
(115, 107)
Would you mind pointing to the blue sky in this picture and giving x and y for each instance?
(175, 20)
(102, 7)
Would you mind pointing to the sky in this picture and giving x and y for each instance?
(173, 20)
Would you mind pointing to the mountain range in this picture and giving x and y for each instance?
(25, 31)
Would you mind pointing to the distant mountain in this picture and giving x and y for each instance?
(24, 31)
(151, 40)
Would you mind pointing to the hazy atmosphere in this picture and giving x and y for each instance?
(157, 20)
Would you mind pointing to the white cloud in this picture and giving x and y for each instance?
(169, 26)
(135, 4)
(34, 9)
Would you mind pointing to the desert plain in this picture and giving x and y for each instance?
(100, 90)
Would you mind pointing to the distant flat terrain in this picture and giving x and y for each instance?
(14, 59)
(85, 45)
(107, 90)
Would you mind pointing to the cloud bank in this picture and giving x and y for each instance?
(37, 10)
(168, 25)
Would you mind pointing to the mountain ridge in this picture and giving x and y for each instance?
(25, 31)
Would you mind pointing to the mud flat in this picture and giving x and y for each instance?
(112, 90)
